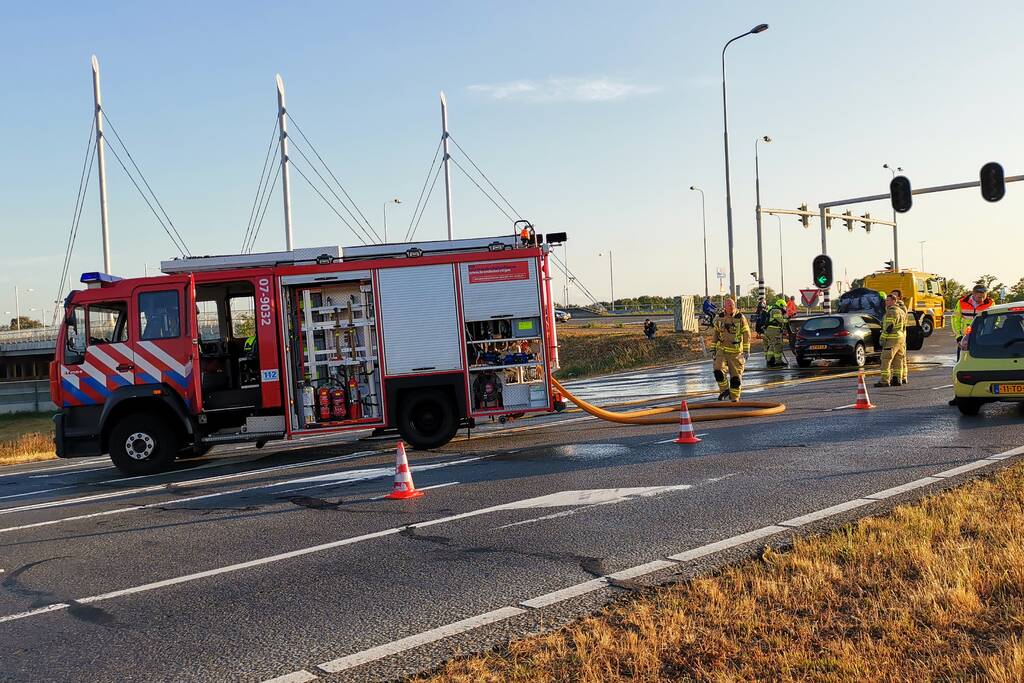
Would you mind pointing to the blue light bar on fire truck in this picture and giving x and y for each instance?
(97, 279)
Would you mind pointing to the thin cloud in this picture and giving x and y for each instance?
(563, 90)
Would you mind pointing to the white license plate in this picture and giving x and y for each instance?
(818, 347)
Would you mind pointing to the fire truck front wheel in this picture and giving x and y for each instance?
(143, 444)
(427, 419)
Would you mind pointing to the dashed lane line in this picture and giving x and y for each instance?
(570, 592)
(301, 676)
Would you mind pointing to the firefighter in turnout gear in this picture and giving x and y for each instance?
(773, 327)
(894, 343)
(902, 304)
(731, 343)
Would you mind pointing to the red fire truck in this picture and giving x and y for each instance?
(424, 337)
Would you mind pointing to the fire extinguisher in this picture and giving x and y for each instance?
(324, 403)
(353, 398)
(338, 408)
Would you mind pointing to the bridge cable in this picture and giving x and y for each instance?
(263, 213)
(145, 182)
(426, 180)
(76, 217)
(426, 201)
(355, 220)
(484, 175)
(264, 177)
(327, 201)
(262, 198)
(486, 194)
(328, 168)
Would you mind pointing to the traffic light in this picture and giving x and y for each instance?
(890, 265)
(900, 194)
(993, 182)
(867, 222)
(848, 222)
(806, 220)
(822, 271)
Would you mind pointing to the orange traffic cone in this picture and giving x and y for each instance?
(403, 488)
(863, 402)
(686, 434)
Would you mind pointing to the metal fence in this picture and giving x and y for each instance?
(35, 334)
(24, 397)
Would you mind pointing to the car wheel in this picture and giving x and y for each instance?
(860, 356)
(927, 326)
(803, 362)
(142, 444)
(427, 419)
(968, 406)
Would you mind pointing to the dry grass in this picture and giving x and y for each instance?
(584, 352)
(26, 437)
(933, 591)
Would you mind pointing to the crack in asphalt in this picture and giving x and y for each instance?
(591, 565)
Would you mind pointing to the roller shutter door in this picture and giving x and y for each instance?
(500, 289)
(419, 320)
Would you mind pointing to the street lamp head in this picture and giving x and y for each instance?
(693, 187)
(767, 138)
(759, 28)
(396, 200)
(886, 165)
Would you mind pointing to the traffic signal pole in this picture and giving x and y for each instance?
(824, 206)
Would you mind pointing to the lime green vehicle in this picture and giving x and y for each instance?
(991, 368)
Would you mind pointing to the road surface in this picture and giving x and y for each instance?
(287, 562)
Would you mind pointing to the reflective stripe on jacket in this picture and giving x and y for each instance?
(732, 334)
(894, 326)
(965, 311)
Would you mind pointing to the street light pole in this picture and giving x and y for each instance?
(728, 187)
(921, 242)
(611, 277)
(782, 267)
(704, 224)
(396, 200)
(17, 306)
(760, 250)
(895, 232)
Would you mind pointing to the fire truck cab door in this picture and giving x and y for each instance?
(166, 349)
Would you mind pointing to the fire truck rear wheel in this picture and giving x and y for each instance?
(427, 419)
(143, 444)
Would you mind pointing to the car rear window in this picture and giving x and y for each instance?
(1001, 335)
(815, 324)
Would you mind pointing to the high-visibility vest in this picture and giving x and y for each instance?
(776, 318)
(965, 311)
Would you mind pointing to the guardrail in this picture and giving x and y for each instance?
(35, 334)
(25, 396)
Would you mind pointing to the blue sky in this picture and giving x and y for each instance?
(591, 117)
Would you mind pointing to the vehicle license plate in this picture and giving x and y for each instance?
(1008, 389)
(818, 347)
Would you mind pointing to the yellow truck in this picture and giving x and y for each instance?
(923, 293)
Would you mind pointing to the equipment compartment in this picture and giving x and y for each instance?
(333, 353)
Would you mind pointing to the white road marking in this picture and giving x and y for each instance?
(83, 463)
(300, 676)
(174, 485)
(565, 593)
(843, 407)
(656, 443)
(827, 512)
(564, 499)
(353, 476)
(642, 569)
(903, 488)
(726, 543)
(944, 386)
(977, 464)
(64, 474)
(433, 635)
(1007, 454)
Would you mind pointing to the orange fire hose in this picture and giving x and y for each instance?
(670, 414)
